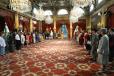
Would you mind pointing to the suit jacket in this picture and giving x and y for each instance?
(103, 50)
(95, 40)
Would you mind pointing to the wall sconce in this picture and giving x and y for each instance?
(100, 13)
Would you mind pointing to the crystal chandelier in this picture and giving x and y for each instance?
(73, 19)
(21, 5)
(48, 20)
(81, 3)
(40, 15)
(75, 13)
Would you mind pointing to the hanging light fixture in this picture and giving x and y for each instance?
(21, 5)
(75, 13)
(62, 12)
(40, 14)
(48, 20)
(73, 19)
(48, 12)
(81, 3)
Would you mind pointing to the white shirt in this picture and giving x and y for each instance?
(34, 35)
(17, 37)
(34, 38)
(51, 33)
(22, 39)
(2, 42)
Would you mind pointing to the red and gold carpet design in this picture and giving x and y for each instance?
(49, 58)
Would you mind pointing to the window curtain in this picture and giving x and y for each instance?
(25, 24)
(10, 22)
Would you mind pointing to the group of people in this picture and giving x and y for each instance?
(99, 44)
(49, 34)
(12, 41)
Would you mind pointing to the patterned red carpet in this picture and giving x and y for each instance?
(49, 58)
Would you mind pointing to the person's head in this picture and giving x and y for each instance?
(2, 33)
(94, 31)
(103, 31)
(111, 31)
(21, 33)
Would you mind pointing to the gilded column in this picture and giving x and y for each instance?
(31, 25)
(54, 18)
(103, 21)
(16, 21)
(70, 30)
(88, 23)
(90, 26)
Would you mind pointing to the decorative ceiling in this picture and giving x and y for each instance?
(52, 4)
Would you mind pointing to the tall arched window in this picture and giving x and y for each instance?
(62, 12)
(48, 12)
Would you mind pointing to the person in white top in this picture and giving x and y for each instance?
(22, 39)
(2, 44)
(34, 37)
(51, 34)
(18, 41)
(17, 37)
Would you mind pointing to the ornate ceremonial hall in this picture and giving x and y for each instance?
(56, 38)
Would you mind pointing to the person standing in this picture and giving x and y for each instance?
(2, 44)
(22, 39)
(11, 40)
(111, 44)
(103, 50)
(81, 38)
(94, 43)
(18, 41)
(88, 43)
(111, 47)
(54, 34)
(34, 37)
(27, 39)
(51, 34)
